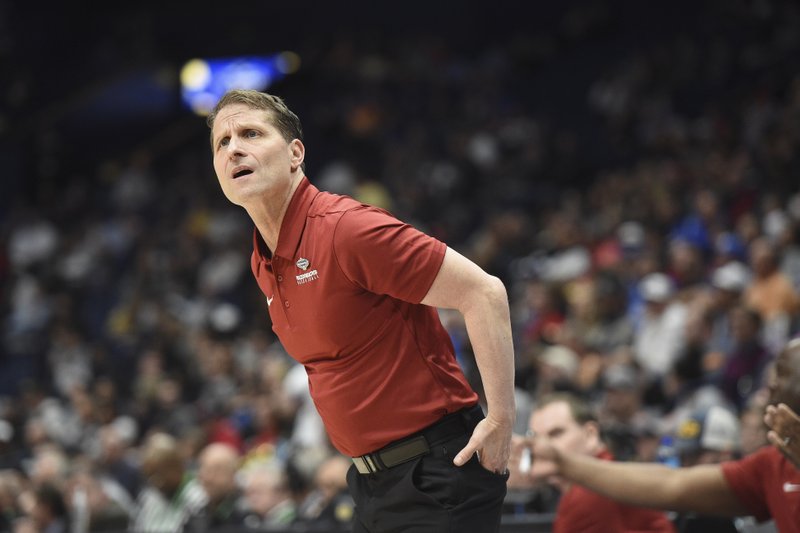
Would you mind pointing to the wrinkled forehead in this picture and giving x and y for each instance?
(233, 115)
(551, 416)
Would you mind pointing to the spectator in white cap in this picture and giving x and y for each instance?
(558, 368)
(661, 334)
(709, 436)
(728, 282)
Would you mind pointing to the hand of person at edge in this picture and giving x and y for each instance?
(492, 441)
(784, 431)
(545, 459)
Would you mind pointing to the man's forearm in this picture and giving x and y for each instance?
(489, 328)
(701, 489)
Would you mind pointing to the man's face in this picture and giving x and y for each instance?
(217, 477)
(555, 423)
(251, 157)
(262, 494)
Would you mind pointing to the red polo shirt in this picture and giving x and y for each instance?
(768, 485)
(343, 290)
(582, 510)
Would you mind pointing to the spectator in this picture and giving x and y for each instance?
(115, 461)
(329, 504)
(171, 497)
(613, 329)
(621, 413)
(97, 503)
(707, 437)
(218, 465)
(49, 466)
(771, 294)
(729, 281)
(661, 336)
(49, 513)
(10, 488)
(745, 364)
(557, 369)
(571, 427)
(268, 500)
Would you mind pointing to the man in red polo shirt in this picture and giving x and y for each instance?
(572, 427)
(352, 293)
(765, 484)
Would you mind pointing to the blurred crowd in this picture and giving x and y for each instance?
(651, 251)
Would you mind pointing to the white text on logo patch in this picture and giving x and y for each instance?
(308, 276)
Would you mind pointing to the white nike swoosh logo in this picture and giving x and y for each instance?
(269, 300)
(791, 487)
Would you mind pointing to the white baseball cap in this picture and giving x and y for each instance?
(656, 287)
(715, 429)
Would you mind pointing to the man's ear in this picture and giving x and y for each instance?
(592, 431)
(298, 153)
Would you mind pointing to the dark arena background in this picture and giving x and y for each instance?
(573, 149)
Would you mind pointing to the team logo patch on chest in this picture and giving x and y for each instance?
(303, 264)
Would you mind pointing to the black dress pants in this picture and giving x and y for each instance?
(429, 494)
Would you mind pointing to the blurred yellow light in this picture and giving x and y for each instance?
(195, 74)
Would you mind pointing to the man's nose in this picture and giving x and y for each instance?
(234, 150)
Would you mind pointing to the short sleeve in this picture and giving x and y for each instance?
(744, 477)
(383, 255)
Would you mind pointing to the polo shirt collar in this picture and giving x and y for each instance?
(293, 224)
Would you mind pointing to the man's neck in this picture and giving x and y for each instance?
(268, 216)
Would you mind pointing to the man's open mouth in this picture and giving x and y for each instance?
(242, 172)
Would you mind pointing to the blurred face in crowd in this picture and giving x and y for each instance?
(621, 403)
(166, 479)
(555, 422)
(744, 324)
(251, 157)
(264, 489)
(784, 383)
(217, 471)
(331, 478)
(162, 465)
(762, 257)
(725, 299)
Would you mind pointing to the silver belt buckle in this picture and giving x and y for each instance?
(365, 464)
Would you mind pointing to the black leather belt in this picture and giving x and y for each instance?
(419, 444)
